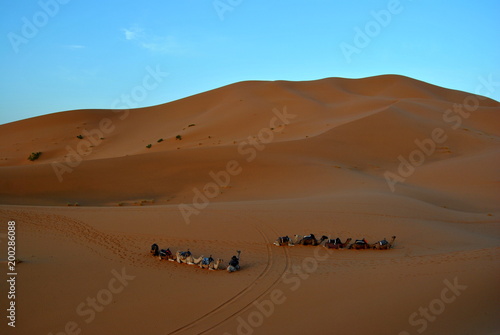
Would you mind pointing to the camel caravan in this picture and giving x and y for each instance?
(187, 257)
(334, 243)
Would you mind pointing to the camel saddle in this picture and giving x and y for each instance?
(207, 260)
(165, 252)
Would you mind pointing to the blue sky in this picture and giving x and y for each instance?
(59, 55)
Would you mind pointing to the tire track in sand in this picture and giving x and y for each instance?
(244, 299)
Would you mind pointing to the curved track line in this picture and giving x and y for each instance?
(251, 287)
(287, 264)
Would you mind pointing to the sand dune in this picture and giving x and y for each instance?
(372, 157)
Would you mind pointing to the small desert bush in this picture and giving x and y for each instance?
(34, 156)
(149, 146)
(80, 137)
(178, 137)
(160, 140)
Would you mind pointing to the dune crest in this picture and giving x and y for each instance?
(346, 130)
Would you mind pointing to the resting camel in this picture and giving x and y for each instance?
(166, 254)
(187, 257)
(210, 263)
(234, 263)
(384, 244)
(360, 244)
(154, 250)
(309, 240)
(283, 240)
(337, 244)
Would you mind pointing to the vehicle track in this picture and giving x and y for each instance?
(200, 326)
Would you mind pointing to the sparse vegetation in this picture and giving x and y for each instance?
(136, 203)
(160, 140)
(192, 125)
(178, 137)
(149, 146)
(34, 156)
(80, 137)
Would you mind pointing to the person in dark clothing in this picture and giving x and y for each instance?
(234, 263)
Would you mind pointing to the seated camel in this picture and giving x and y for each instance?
(309, 239)
(384, 244)
(360, 244)
(166, 254)
(337, 243)
(154, 250)
(283, 240)
(210, 263)
(187, 257)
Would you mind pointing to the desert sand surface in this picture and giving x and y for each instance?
(235, 168)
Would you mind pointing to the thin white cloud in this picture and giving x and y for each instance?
(154, 43)
(75, 46)
(132, 33)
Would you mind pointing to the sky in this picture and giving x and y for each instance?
(59, 55)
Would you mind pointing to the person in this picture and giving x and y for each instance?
(235, 262)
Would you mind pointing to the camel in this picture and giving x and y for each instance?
(283, 240)
(205, 262)
(154, 250)
(337, 244)
(210, 263)
(384, 244)
(360, 244)
(309, 240)
(187, 257)
(166, 254)
(234, 263)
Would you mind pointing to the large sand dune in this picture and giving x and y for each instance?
(371, 158)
